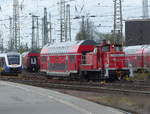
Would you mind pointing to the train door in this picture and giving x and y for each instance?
(67, 64)
(44, 63)
(96, 58)
(105, 50)
(72, 63)
(33, 60)
(83, 61)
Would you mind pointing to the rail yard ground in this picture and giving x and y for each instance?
(137, 103)
(134, 104)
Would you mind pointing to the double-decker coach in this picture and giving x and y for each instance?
(139, 57)
(64, 59)
(84, 59)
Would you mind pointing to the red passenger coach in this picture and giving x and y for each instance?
(63, 59)
(139, 57)
(83, 59)
(31, 60)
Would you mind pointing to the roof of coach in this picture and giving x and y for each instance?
(12, 53)
(3, 54)
(35, 51)
(30, 52)
(135, 49)
(9, 53)
(66, 47)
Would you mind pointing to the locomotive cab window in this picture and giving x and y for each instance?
(118, 48)
(106, 48)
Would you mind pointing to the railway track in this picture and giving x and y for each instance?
(126, 88)
(84, 88)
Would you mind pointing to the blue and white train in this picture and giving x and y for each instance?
(10, 63)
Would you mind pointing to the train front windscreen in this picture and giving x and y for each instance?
(13, 59)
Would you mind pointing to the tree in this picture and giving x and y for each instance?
(107, 36)
(23, 48)
(87, 30)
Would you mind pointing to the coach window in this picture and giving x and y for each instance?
(49, 59)
(106, 48)
(118, 48)
(72, 58)
(44, 59)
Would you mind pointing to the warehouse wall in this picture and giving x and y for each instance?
(137, 32)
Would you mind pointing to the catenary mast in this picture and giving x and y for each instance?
(16, 25)
(118, 26)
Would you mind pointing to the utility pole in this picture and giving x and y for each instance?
(50, 29)
(68, 24)
(45, 28)
(145, 9)
(83, 28)
(88, 29)
(64, 14)
(118, 26)
(42, 32)
(16, 25)
(37, 32)
(33, 33)
(11, 40)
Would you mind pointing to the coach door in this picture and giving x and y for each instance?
(66, 66)
(33, 61)
(72, 63)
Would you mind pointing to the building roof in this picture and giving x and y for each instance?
(135, 20)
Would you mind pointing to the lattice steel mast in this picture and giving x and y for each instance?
(118, 26)
(35, 32)
(62, 21)
(45, 28)
(68, 24)
(11, 41)
(50, 29)
(16, 25)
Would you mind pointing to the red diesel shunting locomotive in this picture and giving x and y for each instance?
(31, 60)
(84, 59)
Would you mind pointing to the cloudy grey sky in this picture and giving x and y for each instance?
(103, 9)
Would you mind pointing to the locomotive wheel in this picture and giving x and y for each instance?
(82, 76)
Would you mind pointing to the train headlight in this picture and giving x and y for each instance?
(130, 65)
(106, 65)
